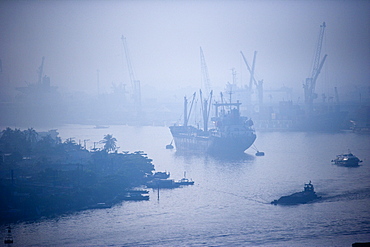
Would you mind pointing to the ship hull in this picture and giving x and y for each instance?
(297, 198)
(212, 144)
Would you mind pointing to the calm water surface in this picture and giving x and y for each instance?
(229, 205)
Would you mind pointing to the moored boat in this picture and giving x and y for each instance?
(185, 181)
(231, 134)
(131, 196)
(159, 175)
(169, 146)
(162, 183)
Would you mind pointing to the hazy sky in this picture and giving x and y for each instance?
(79, 37)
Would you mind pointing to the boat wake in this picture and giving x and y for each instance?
(359, 194)
(244, 197)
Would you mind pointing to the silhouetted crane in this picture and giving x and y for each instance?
(134, 83)
(310, 83)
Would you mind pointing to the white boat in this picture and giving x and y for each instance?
(347, 159)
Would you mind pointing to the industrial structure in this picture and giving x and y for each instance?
(135, 84)
(310, 83)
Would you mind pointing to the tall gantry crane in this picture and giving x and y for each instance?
(135, 84)
(310, 83)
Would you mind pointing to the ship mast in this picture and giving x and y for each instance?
(206, 108)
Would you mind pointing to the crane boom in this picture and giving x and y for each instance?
(252, 71)
(316, 62)
(205, 76)
(259, 84)
(310, 84)
(249, 68)
(128, 60)
(134, 83)
(40, 70)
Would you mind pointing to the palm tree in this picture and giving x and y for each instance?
(31, 135)
(109, 143)
(31, 138)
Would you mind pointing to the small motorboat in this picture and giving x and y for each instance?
(185, 181)
(347, 159)
(169, 146)
(258, 153)
(305, 196)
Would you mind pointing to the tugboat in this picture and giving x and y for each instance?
(347, 159)
(185, 181)
(305, 196)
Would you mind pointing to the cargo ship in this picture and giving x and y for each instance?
(231, 133)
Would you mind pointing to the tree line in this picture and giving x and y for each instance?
(42, 175)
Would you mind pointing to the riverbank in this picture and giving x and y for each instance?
(46, 177)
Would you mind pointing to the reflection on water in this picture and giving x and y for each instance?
(214, 158)
(229, 204)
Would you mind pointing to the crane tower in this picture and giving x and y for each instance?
(310, 83)
(205, 77)
(135, 84)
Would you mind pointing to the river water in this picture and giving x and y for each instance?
(229, 204)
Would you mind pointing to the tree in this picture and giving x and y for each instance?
(13, 140)
(109, 143)
(31, 135)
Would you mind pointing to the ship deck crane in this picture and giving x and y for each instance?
(134, 83)
(310, 83)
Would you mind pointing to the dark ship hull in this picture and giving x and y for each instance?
(296, 198)
(306, 196)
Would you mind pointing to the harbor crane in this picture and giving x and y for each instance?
(258, 84)
(310, 83)
(205, 76)
(134, 83)
(40, 71)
